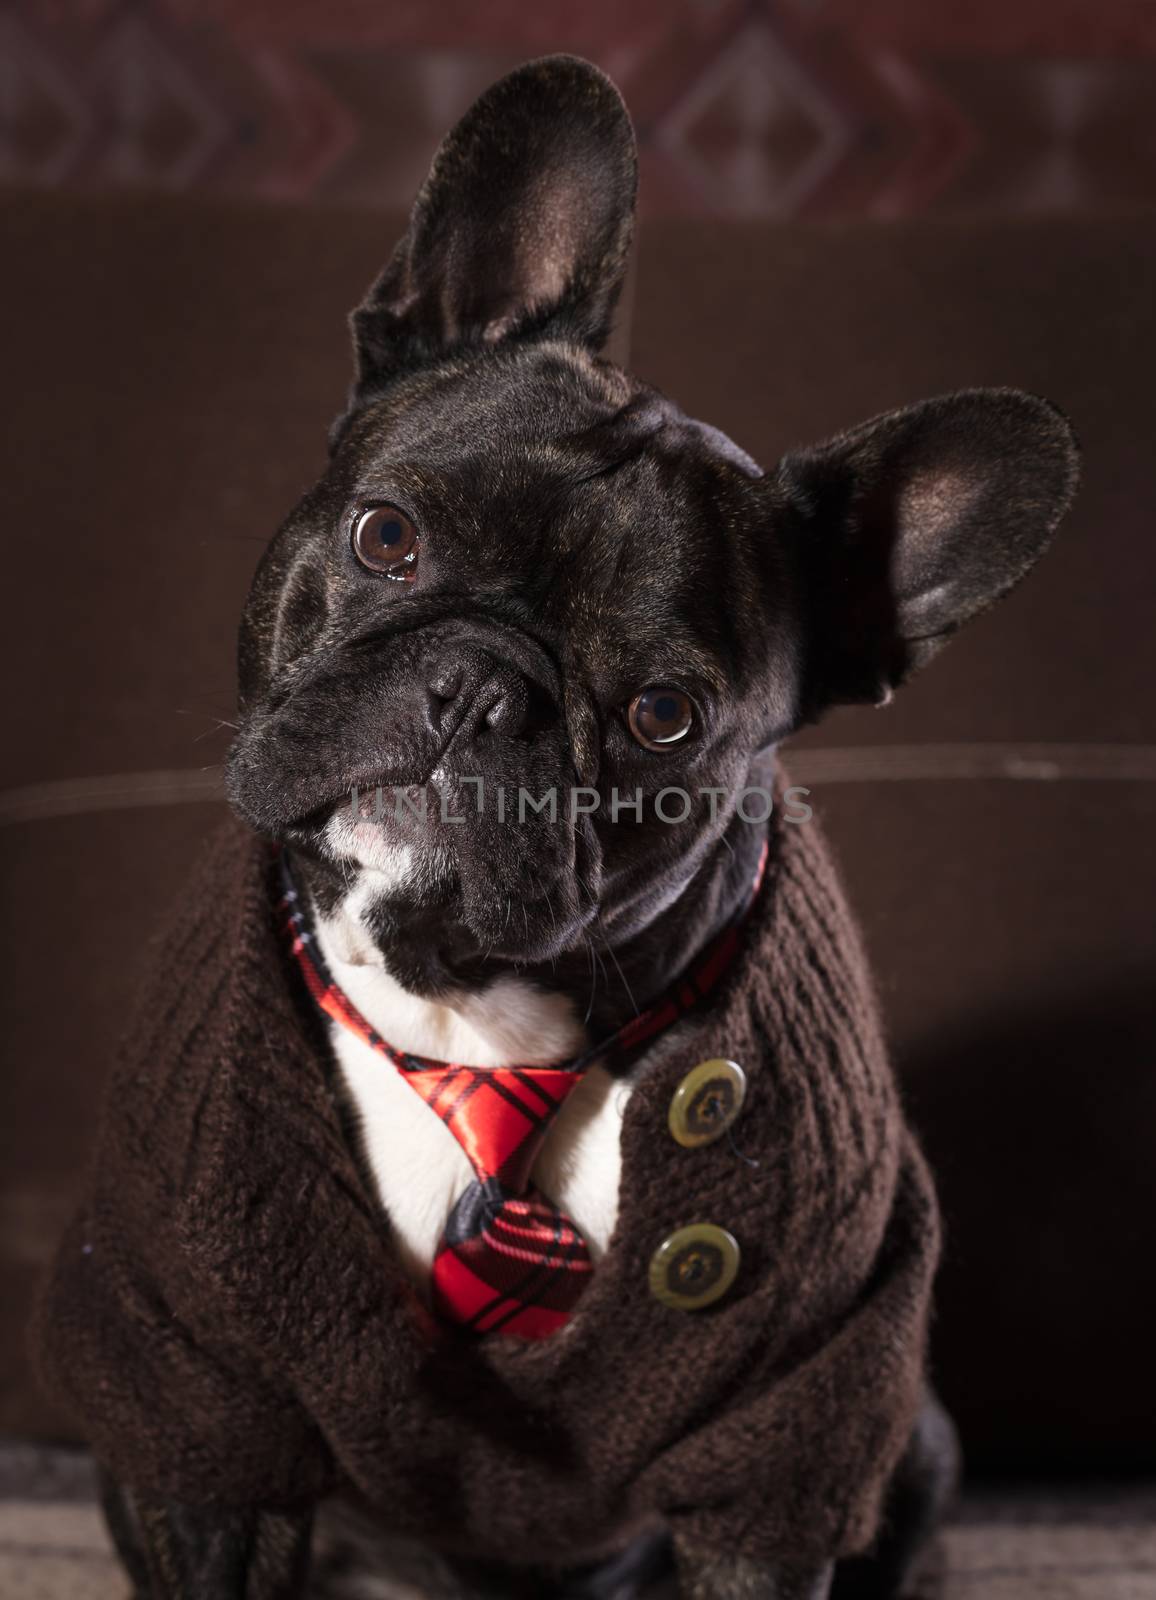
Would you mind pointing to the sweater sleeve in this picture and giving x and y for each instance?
(127, 1334)
(169, 1413)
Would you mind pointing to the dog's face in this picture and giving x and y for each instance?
(525, 573)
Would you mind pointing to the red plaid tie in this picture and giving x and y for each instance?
(509, 1261)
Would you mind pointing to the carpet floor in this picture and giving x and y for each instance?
(1097, 1543)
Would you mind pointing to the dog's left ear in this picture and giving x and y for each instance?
(522, 228)
(910, 524)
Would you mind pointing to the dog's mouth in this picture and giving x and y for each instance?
(404, 766)
(454, 896)
(403, 867)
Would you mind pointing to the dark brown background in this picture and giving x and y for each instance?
(171, 361)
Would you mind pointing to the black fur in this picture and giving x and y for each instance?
(521, 231)
(175, 1552)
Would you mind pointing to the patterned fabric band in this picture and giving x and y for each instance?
(509, 1261)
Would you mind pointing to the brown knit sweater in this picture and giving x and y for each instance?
(229, 1322)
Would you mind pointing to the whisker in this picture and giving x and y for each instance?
(618, 967)
(218, 724)
(593, 979)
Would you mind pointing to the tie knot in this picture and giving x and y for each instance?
(499, 1115)
(509, 1263)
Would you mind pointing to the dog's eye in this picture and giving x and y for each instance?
(660, 716)
(385, 540)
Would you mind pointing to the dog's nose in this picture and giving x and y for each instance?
(444, 685)
(504, 706)
(497, 698)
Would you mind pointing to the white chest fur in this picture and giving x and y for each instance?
(418, 1166)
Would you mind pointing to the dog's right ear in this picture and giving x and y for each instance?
(521, 229)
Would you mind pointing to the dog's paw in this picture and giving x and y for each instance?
(722, 1575)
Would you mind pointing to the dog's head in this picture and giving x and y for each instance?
(526, 572)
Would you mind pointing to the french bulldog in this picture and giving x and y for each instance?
(526, 571)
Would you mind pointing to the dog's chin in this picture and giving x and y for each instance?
(416, 901)
(407, 868)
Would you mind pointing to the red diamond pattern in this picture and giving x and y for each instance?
(744, 107)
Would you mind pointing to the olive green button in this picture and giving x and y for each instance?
(706, 1102)
(694, 1267)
